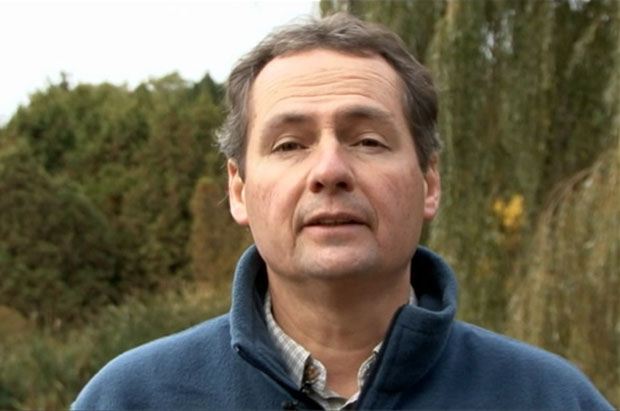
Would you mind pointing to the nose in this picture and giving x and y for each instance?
(331, 169)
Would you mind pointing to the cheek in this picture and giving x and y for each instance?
(271, 204)
(259, 198)
(401, 198)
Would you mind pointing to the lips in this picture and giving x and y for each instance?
(333, 219)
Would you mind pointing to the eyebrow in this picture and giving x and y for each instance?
(285, 119)
(346, 114)
(365, 113)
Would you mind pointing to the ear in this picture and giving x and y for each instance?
(432, 188)
(236, 194)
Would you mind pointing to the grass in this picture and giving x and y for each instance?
(44, 369)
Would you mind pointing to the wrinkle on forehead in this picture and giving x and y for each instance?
(334, 81)
(319, 75)
(345, 113)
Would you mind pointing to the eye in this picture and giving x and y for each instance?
(287, 146)
(370, 141)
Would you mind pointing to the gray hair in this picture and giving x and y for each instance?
(344, 33)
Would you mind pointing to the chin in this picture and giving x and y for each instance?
(336, 266)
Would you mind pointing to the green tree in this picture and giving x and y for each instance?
(216, 241)
(58, 258)
(135, 156)
(155, 210)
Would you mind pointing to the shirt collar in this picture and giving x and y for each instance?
(304, 369)
(294, 355)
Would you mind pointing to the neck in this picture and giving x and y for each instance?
(339, 321)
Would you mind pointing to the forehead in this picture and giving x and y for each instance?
(319, 79)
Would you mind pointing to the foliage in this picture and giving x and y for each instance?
(565, 298)
(57, 251)
(131, 159)
(46, 370)
(96, 183)
(215, 241)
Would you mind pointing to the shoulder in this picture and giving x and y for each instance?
(516, 367)
(474, 339)
(174, 350)
(135, 376)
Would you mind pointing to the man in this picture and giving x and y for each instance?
(332, 163)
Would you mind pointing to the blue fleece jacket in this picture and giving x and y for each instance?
(428, 361)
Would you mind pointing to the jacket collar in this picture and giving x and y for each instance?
(248, 329)
(414, 342)
(418, 334)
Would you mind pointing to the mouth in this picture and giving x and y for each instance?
(334, 220)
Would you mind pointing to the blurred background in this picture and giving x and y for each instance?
(114, 228)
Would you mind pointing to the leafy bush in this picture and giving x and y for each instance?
(57, 252)
(46, 370)
(96, 182)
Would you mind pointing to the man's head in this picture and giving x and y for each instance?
(333, 188)
(343, 33)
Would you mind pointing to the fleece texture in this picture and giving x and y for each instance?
(428, 361)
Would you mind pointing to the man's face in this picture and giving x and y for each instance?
(332, 183)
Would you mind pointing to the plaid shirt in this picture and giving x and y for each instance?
(308, 373)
